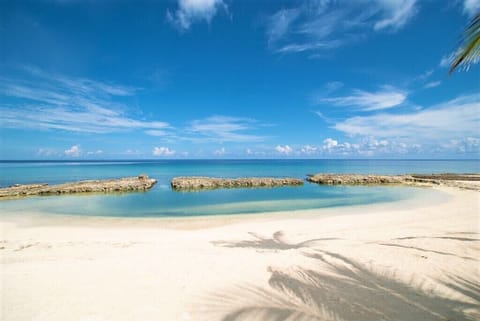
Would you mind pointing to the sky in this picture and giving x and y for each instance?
(236, 79)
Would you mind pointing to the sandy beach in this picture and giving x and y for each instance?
(397, 261)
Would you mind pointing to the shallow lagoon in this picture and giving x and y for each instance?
(161, 201)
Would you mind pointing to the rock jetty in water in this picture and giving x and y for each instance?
(356, 179)
(464, 181)
(127, 184)
(200, 183)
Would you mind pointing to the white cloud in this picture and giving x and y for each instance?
(388, 97)
(396, 14)
(330, 143)
(322, 116)
(260, 152)
(469, 145)
(322, 25)
(287, 150)
(455, 119)
(163, 151)
(49, 101)
(98, 152)
(279, 23)
(156, 132)
(432, 84)
(73, 151)
(423, 77)
(191, 11)
(133, 152)
(471, 7)
(363, 147)
(296, 47)
(333, 86)
(47, 152)
(222, 129)
(220, 152)
(309, 150)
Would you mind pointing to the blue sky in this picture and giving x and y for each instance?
(235, 79)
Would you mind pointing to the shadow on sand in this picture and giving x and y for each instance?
(276, 242)
(340, 289)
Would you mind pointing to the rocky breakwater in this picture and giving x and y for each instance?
(127, 184)
(356, 179)
(463, 181)
(201, 183)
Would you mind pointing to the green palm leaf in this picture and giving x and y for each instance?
(469, 52)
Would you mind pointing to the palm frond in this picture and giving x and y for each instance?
(469, 52)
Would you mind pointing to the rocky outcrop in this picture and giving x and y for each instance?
(448, 177)
(127, 184)
(355, 179)
(200, 183)
(464, 181)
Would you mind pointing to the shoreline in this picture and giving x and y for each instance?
(440, 194)
(416, 261)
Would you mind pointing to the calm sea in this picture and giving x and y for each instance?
(162, 201)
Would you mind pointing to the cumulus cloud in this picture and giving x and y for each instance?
(333, 146)
(220, 152)
(330, 143)
(467, 145)
(192, 11)
(309, 150)
(368, 146)
(73, 151)
(387, 97)
(287, 150)
(162, 151)
(361, 147)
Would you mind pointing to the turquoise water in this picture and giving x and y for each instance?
(162, 201)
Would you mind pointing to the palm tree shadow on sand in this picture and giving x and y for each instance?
(276, 242)
(341, 290)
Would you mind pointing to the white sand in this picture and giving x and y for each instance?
(388, 262)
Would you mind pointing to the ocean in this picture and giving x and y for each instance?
(161, 201)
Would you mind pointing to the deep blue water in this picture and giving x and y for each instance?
(162, 201)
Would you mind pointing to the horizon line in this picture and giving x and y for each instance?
(231, 159)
